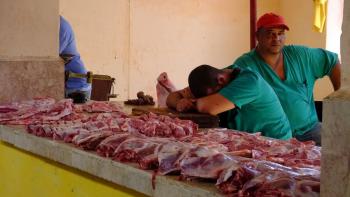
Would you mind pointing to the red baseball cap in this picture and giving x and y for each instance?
(269, 20)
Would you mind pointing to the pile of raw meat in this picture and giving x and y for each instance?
(240, 164)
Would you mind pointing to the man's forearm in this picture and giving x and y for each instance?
(335, 76)
(214, 104)
(173, 98)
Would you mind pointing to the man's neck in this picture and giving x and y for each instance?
(233, 73)
(270, 58)
(274, 60)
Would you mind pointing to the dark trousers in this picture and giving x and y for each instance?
(314, 134)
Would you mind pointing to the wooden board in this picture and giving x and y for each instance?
(203, 120)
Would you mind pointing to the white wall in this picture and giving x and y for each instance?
(29, 62)
(345, 46)
(334, 25)
(28, 28)
(102, 32)
(135, 40)
(176, 36)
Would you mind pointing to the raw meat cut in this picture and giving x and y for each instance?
(164, 87)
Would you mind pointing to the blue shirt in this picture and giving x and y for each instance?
(76, 65)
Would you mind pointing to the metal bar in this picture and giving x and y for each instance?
(252, 23)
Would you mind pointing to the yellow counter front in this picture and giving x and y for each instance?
(25, 174)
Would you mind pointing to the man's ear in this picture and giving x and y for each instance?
(258, 34)
(221, 79)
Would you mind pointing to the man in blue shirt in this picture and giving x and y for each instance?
(67, 48)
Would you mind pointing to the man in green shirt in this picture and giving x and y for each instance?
(251, 103)
(291, 71)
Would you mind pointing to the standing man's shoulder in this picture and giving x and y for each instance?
(248, 76)
(247, 72)
(295, 48)
(246, 56)
(298, 49)
(246, 60)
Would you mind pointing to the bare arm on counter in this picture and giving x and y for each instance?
(181, 100)
(214, 104)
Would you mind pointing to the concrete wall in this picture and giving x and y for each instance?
(102, 32)
(29, 62)
(28, 28)
(135, 40)
(345, 46)
(335, 177)
(176, 36)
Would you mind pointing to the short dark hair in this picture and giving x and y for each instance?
(201, 78)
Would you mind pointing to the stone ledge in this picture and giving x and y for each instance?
(127, 175)
(335, 176)
(336, 123)
(27, 79)
(341, 95)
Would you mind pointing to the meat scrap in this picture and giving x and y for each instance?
(251, 177)
(58, 131)
(203, 162)
(141, 150)
(279, 183)
(90, 140)
(42, 130)
(107, 147)
(101, 106)
(290, 153)
(164, 87)
(169, 156)
(153, 125)
(142, 99)
(159, 125)
(18, 111)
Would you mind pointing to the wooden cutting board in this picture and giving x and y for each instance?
(203, 120)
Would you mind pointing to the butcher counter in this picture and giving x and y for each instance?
(36, 166)
(37, 161)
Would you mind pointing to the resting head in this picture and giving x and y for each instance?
(205, 80)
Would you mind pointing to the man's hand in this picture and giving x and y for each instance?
(185, 105)
(181, 100)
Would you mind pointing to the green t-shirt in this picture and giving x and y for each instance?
(257, 106)
(302, 66)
